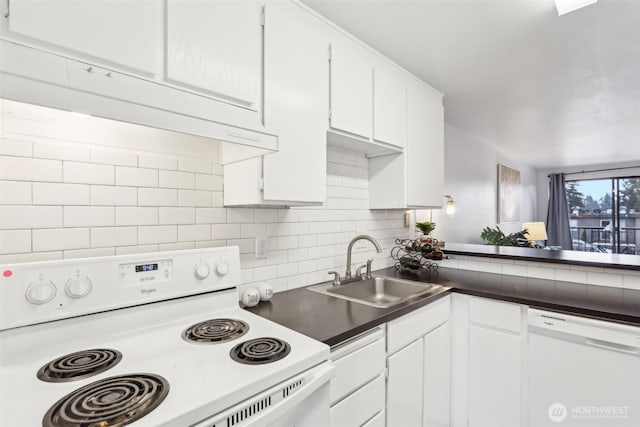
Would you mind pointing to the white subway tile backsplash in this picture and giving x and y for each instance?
(225, 231)
(246, 246)
(88, 253)
(68, 151)
(240, 215)
(576, 276)
(15, 241)
(266, 215)
(136, 177)
(157, 234)
(173, 179)
(154, 161)
(191, 164)
(211, 215)
(45, 193)
(208, 182)
(29, 217)
(112, 157)
(509, 269)
(30, 257)
(113, 196)
(252, 230)
(541, 272)
(212, 244)
(11, 147)
(604, 279)
(195, 198)
(15, 193)
(114, 236)
(194, 232)
(60, 238)
(217, 200)
(176, 246)
(130, 215)
(265, 273)
(89, 216)
(157, 197)
(177, 215)
(27, 169)
(138, 249)
(631, 282)
(88, 173)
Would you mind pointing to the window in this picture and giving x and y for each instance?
(604, 214)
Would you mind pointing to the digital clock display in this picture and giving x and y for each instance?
(146, 267)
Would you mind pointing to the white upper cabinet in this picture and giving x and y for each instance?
(351, 87)
(296, 104)
(126, 35)
(425, 147)
(215, 47)
(389, 105)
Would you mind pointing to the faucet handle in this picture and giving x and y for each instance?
(369, 261)
(359, 271)
(336, 277)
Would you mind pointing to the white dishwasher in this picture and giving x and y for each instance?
(582, 372)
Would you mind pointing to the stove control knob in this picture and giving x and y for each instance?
(40, 292)
(78, 288)
(222, 268)
(201, 271)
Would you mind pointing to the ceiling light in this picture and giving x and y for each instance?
(566, 6)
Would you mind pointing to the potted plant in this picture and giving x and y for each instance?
(496, 237)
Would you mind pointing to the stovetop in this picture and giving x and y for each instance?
(146, 338)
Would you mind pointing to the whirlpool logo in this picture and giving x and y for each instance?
(144, 291)
(557, 412)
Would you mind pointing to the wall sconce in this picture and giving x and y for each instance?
(535, 231)
(450, 208)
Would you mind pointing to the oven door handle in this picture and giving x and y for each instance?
(319, 376)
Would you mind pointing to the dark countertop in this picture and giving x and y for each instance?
(589, 259)
(333, 320)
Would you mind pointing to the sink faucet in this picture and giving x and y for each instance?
(347, 274)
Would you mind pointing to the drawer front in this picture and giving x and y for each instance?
(357, 368)
(495, 314)
(412, 326)
(360, 406)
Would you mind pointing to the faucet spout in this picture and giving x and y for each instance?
(350, 248)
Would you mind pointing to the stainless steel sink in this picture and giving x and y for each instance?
(381, 292)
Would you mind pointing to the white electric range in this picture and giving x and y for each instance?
(150, 340)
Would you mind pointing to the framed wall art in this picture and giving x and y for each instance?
(508, 194)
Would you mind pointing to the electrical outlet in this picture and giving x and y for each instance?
(261, 247)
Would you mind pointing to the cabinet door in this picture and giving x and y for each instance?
(437, 377)
(495, 365)
(425, 147)
(351, 87)
(296, 102)
(404, 386)
(121, 33)
(215, 47)
(389, 105)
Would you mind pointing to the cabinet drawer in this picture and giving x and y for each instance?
(495, 314)
(360, 406)
(406, 329)
(357, 368)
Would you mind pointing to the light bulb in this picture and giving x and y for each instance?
(450, 208)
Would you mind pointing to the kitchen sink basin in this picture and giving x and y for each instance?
(381, 292)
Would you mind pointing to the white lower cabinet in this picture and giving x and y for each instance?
(358, 388)
(489, 347)
(418, 353)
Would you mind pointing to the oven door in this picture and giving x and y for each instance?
(301, 401)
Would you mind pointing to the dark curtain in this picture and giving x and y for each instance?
(558, 214)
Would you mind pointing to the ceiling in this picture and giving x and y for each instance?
(550, 90)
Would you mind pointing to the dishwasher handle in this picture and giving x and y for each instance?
(606, 345)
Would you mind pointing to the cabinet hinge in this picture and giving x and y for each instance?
(329, 53)
(386, 373)
(7, 8)
(262, 18)
(261, 184)
(329, 116)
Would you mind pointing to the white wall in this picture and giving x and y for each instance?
(471, 179)
(75, 188)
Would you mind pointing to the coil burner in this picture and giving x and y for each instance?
(215, 331)
(116, 401)
(260, 350)
(79, 365)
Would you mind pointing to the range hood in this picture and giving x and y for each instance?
(36, 77)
